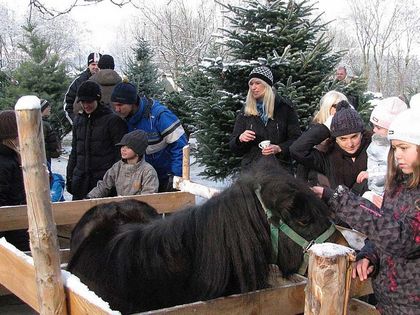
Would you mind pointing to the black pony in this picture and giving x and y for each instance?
(218, 248)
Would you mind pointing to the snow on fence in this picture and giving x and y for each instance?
(16, 268)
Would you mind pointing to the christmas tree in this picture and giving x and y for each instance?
(284, 36)
(141, 71)
(41, 74)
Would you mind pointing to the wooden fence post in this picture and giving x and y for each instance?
(42, 229)
(186, 162)
(329, 276)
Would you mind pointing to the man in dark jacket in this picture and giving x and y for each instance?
(96, 131)
(70, 96)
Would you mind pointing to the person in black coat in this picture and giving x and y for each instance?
(96, 131)
(12, 190)
(266, 116)
(70, 97)
(345, 158)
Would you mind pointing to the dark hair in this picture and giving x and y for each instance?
(395, 176)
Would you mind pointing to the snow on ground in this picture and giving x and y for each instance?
(59, 166)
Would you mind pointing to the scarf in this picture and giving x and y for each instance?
(262, 113)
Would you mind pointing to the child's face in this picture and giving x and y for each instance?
(405, 155)
(127, 153)
(380, 131)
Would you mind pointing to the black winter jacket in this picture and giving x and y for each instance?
(12, 190)
(71, 93)
(335, 164)
(282, 131)
(93, 149)
(395, 232)
(51, 139)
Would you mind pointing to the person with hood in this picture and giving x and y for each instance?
(107, 78)
(96, 131)
(70, 96)
(266, 116)
(12, 189)
(166, 136)
(381, 117)
(346, 158)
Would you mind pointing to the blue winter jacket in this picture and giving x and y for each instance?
(165, 134)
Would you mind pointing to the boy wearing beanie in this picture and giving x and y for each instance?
(347, 156)
(165, 132)
(70, 96)
(96, 131)
(132, 175)
(381, 117)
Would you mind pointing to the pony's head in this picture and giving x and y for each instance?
(291, 201)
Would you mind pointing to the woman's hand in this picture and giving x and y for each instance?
(362, 176)
(271, 149)
(362, 269)
(377, 200)
(247, 135)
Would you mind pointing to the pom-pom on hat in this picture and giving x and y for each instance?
(405, 126)
(136, 140)
(94, 57)
(89, 91)
(8, 125)
(106, 62)
(124, 93)
(263, 73)
(346, 120)
(386, 110)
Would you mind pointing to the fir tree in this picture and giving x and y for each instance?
(141, 70)
(284, 36)
(43, 75)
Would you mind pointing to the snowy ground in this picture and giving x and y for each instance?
(59, 166)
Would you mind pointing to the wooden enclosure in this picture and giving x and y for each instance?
(18, 270)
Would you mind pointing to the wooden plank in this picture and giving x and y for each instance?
(357, 307)
(16, 271)
(69, 212)
(286, 299)
(355, 238)
(360, 288)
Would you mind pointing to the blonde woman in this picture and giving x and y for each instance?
(266, 116)
(327, 106)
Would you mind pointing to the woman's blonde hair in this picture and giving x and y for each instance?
(268, 101)
(330, 99)
(395, 175)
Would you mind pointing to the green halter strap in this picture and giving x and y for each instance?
(287, 230)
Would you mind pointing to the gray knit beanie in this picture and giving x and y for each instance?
(346, 121)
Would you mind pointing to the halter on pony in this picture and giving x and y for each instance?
(287, 230)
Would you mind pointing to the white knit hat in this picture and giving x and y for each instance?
(415, 101)
(386, 111)
(405, 127)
